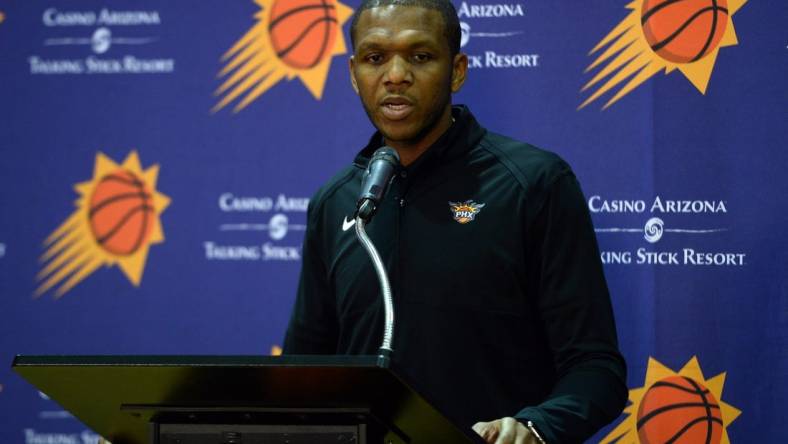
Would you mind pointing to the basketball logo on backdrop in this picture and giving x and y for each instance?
(678, 407)
(292, 38)
(662, 35)
(115, 223)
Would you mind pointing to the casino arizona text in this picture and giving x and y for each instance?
(598, 205)
(105, 17)
(229, 202)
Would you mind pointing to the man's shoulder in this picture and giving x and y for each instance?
(337, 184)
(533, 167)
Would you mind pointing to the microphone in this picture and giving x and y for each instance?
(376, 180)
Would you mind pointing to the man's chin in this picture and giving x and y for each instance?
(396, 136)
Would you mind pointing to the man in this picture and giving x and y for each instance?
(503, 315)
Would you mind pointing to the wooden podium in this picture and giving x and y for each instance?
(240, 399)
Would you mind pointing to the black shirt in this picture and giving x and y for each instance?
(501, 305)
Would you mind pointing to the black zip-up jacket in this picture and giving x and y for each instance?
(506, 314)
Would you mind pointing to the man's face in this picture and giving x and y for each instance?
(404, 73)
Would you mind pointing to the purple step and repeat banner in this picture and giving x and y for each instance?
(158, 159)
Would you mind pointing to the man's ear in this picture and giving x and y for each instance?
(352, 65)
(459, 71)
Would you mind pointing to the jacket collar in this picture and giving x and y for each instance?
(464, 133)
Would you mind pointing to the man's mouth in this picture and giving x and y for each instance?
(396, 108)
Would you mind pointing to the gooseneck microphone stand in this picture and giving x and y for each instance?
(377, 178)
(384, 353)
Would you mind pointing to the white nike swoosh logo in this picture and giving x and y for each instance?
(346, 224)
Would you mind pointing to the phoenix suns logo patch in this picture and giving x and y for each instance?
(465, 212)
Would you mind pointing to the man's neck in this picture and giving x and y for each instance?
(409, 151)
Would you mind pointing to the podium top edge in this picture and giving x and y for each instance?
(196, 360)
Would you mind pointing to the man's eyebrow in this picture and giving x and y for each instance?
(369, 45)
(382, 43)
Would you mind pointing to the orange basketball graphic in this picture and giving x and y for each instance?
(679, 410)
(684, 31)
(121, 213)
(302, 32)
(115, 222)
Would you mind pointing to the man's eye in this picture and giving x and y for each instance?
(421, 57)
(374, 58)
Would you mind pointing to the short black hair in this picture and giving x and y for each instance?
(451, 23)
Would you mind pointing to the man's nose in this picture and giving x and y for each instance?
(398, 71)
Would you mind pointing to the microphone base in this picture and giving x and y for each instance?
(384, 357)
